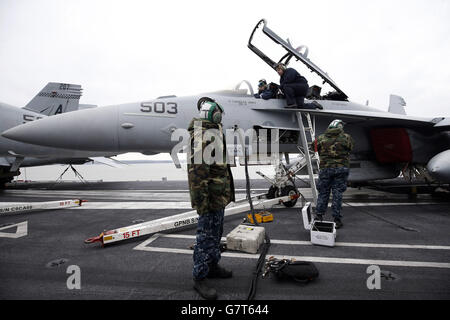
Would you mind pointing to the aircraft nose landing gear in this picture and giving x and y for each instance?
(288, 190)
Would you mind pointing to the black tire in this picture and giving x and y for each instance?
(3, 184)
(272, 193)
(289, 190)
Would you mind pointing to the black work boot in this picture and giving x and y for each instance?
(217, 271)
(204, 290)
(338, 223)
(317, 105)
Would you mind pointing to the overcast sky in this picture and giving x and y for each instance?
(130, 50)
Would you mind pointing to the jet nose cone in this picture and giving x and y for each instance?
(91, 129)
(22, 133)
(11, 134)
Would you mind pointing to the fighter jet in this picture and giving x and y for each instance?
(385, 142)
(54, 98)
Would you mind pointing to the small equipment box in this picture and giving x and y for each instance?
(323, 233)
(246, 238)
(261, 217)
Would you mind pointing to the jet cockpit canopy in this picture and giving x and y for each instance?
(338, 94)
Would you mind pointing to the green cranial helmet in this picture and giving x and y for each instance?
(202, 100)
(337, 123)
(210, 110)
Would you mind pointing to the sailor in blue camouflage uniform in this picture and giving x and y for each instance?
(334, 148)
(211, 189)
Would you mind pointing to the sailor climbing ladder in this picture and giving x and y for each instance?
(310, 157)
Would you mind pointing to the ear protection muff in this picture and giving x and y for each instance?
(216, 116)
(210, 109)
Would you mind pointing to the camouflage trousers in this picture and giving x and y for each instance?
(332, 180)
(207, 247)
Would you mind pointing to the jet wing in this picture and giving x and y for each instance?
(357, 116)
(293, 128)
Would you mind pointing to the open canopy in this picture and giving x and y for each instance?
(291, 52)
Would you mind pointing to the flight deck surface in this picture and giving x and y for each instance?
(407, 237)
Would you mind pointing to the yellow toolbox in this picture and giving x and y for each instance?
(261, 217)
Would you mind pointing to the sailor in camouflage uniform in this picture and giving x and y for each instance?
(334, 147)
(211, 189)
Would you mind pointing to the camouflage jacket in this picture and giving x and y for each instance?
(334, 147)
(210, 180)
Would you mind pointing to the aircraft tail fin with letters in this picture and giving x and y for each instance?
(397, 104)
(56, 98)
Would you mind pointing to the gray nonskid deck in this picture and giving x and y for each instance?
(414, 264)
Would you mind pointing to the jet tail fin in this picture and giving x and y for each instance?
(56, 98)
(397, 105)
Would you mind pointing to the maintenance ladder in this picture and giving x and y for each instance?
(309, 156)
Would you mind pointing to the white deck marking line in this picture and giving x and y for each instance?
(396, 263)
(123, 191)
(337, 244)
(135, 205)
(373, 204)
(22, 230)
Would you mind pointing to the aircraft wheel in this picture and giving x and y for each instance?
(272, 193)
(289, 191)
(3, 184)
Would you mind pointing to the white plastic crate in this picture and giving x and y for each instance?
(323, 233)
(246, 238)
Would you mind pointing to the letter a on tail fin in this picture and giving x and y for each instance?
(56, 98)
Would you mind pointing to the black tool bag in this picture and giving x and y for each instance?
(301, 271)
